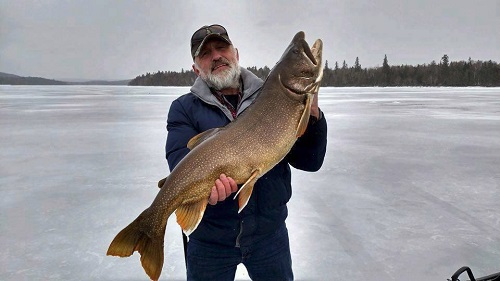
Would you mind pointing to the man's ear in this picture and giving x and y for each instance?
(237, 54)
(196, 71)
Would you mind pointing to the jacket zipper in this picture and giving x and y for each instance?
(239, 235)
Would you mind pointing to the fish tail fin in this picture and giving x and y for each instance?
(134, 238)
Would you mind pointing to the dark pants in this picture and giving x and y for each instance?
(268, 259)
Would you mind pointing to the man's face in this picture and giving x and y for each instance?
(217, 64)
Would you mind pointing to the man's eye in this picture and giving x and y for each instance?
(221, 46)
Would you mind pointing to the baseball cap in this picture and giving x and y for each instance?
(206, 32)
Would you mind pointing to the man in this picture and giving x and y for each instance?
(256, 237)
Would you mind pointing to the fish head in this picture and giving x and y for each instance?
(300, 67)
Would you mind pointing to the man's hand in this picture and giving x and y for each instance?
(223, 187)
(314, 106)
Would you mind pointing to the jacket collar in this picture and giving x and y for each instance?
(251, 84)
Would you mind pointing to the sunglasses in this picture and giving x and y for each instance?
(201, 33)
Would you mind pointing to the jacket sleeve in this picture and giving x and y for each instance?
(180, 131)
(309, 150)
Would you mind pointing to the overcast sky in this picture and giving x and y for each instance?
(101, 39)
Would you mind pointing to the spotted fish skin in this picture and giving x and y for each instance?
(244, 150)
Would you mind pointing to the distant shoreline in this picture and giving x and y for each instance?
(446, 73)
(12, 79)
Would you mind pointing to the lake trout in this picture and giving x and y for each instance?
(244, 150)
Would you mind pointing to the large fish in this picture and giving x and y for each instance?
(245, 150)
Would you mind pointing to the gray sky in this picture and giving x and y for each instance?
(122, 39)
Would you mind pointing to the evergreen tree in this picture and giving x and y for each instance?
(385, 65)
(357, 66)
(444, 71)
(386, 72)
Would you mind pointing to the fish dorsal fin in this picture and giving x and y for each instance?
(189, 215)
(162, 182)
(199, 138)
(304, 119)
(246, 190)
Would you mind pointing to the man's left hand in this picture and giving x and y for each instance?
(314, 106)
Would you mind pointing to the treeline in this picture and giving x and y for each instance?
(165, 78)
(183, 78)
(444, 73)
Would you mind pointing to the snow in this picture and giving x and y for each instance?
(408, 190)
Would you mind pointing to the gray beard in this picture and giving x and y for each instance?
(229, 79)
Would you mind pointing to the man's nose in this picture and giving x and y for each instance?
(216, 55)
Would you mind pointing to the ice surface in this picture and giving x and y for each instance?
(408, 190)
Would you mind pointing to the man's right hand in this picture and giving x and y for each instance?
(223, 187)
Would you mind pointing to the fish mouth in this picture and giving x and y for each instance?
(308, 66)
(314, 52)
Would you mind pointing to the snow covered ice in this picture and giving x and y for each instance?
(408, 190)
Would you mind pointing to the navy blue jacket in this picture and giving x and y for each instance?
(266, 210)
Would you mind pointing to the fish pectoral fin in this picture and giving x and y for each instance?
(246, 190)
(304, 119)
(162, 182)
(189, 215)
(199, 138)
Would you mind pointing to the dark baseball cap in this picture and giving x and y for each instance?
(206, 32)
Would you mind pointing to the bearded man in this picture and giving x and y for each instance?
(257, 237)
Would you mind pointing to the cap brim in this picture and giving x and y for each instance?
(209, 37)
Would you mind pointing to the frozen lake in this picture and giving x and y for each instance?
(408, 190)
